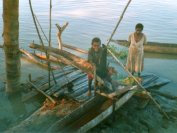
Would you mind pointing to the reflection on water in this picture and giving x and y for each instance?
(88, 19)
(18, 107)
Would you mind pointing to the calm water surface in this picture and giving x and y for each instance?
(97, 18)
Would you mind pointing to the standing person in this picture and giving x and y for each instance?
(135, 59)
(97, 56)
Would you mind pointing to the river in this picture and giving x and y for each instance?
(88, 19)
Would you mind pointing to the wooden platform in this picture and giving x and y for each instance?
(80, 84)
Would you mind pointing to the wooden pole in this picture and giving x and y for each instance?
(41, 41)
(49, 97)
(41, 28)
(95, 80)
(60, 30)
(50, 23)
(48, 56)
(118, 22)
(159, 107)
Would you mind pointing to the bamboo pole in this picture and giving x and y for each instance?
(49, 97)
(41, 40)
(50, 25)
(159, 107)
(41, 28)
(95, 80)
(118, 22)
(48, 56)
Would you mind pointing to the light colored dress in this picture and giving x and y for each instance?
(135, 59)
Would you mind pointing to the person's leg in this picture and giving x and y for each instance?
(139, 74)
(89, 86)
(132, 73)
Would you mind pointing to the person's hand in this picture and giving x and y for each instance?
(90, 76)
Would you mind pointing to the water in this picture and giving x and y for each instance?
(98, 18)
(88, 19)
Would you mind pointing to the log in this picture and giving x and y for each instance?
(76, 61)
(52, 59)
(75, 48)
(35, 60)
(153, 47)
(60, 30)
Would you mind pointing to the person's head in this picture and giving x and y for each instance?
(139, 28)
(96, 43)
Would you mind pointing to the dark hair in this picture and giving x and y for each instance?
(96, 39)
(139, 25)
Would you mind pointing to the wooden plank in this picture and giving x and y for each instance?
(79, 91)
(43, 84)
(75, 114)
(106, 113)
(65, 80)
(76, 83)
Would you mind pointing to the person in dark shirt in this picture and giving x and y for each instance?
(97, 56)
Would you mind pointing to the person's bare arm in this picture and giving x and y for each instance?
(145, 40)
(129, 41)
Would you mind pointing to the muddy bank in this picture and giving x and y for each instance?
(134, 118)
(137, 117)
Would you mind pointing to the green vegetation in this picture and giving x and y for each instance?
(130, 81)
(119, 53)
